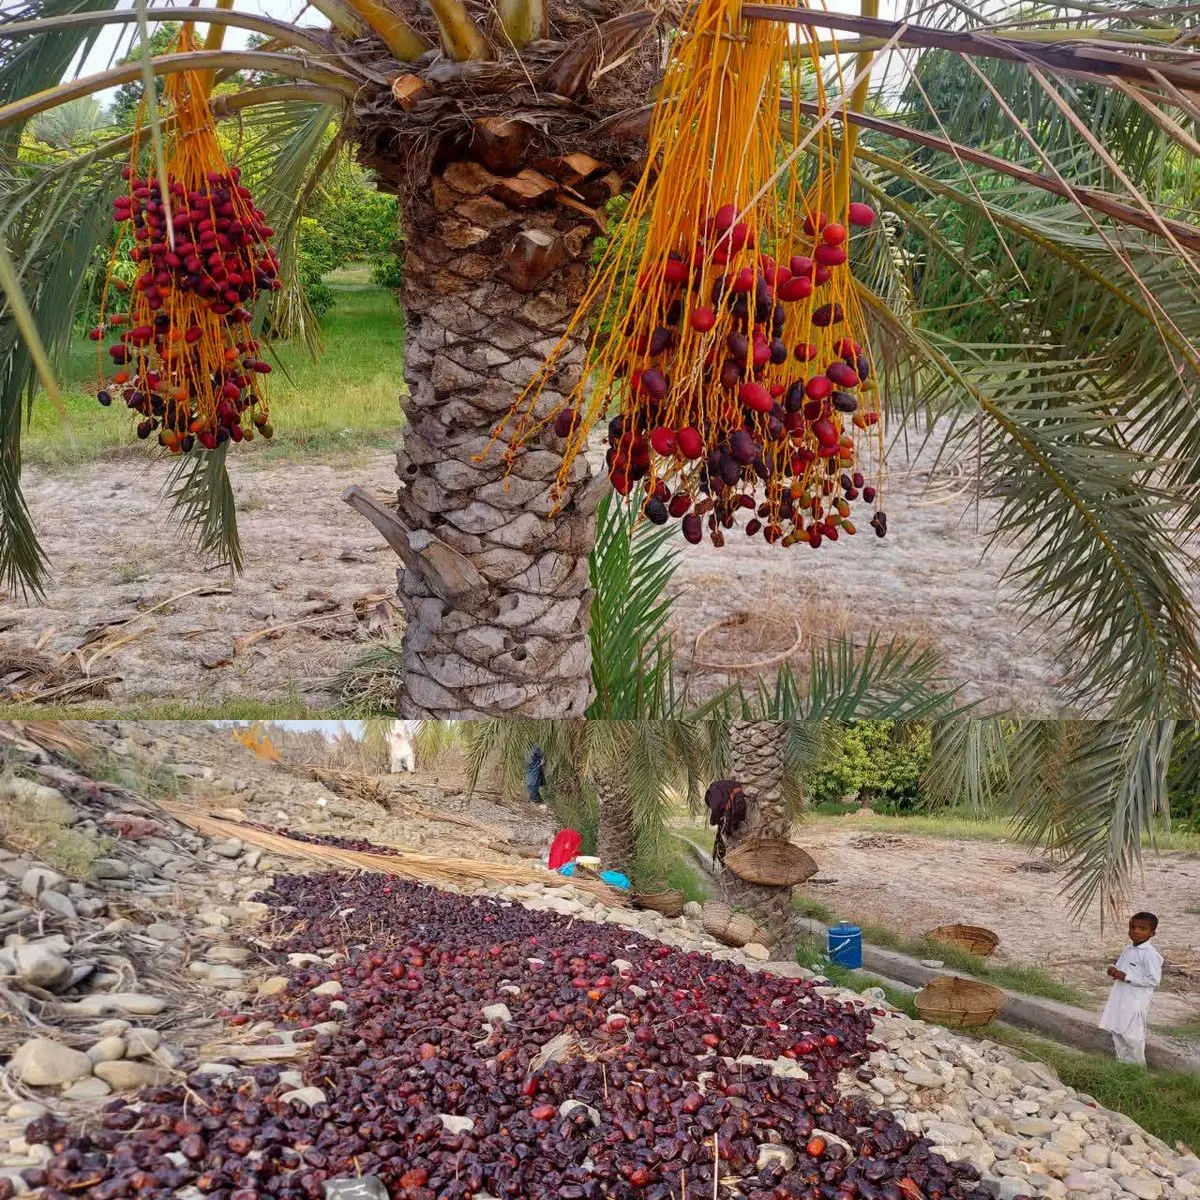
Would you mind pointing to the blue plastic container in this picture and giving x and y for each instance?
(845, 945)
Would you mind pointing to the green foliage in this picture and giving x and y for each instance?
(315, 258)
(630, 571)
(878, 762)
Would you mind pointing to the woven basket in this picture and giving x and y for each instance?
(962, 1003)
(729, 927)
(669, 902)
(771, 861)
(974, 939)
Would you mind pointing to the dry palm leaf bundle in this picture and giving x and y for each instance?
(352, 785)
(725, 313)
(187, 270)
(433, 869)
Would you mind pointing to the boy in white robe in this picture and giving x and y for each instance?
(1137, 973)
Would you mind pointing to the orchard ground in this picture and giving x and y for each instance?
(877, 871)
(193, 644)
(185, 937)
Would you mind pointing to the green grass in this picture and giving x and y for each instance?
(233, 708)
(989, 829)
(685, 878)
(1030, 980)
(348, 399)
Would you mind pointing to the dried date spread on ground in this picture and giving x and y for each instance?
(487, 1050)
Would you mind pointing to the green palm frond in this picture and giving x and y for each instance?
(52, 221)
(968, 765)
(1089, 791)
(630, 571)
(433, 740)
(202, 500)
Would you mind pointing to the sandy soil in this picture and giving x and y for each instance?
(927, 581)
(306, 553)
(115, 555)
(912, 884)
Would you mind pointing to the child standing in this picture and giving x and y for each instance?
(1137, 973)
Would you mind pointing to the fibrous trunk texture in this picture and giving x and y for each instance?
(495, 268)
(758, 751)
(616, 844)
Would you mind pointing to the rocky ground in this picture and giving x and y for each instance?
(159, 973)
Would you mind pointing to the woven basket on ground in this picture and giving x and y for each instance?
(668, 902)
(772, 861)
(962, 1003)
(729, 927)
(974, 939)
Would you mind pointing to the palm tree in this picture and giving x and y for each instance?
(617, 778)
(1089, 792)
(757, 752)
(1034, 283)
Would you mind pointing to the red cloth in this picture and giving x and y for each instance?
(564, 848)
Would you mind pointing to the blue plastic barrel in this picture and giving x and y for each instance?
(845, 945)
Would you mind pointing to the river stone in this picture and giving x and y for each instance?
(90, 1088)
(455, 1124)
(925, 1079)
(138, 1004)
(58, 903)
(162, 931)
(497, 1014)
(231, 848)
(125, 1075)
(110, 868)
(40, 966)
(1096, 1153)
(273, 985)
(306, 1095)
(229, 955)
(331, 987)
(757, 951)
(140, 1042)
(1145, 1187)
(107, 1049)
(42, 1062)
(38, 880)
(1035, 1127)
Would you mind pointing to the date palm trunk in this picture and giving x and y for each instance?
(757, 752)
(616, 843)
(497, 600)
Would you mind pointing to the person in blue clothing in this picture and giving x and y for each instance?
(535, 775)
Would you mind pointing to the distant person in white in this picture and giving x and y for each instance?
(400, 748)
(1137, 973)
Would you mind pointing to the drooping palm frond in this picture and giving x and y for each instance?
(1089, 791)
(968, 765)
(202, 499)
(434, 740)
(52, 223)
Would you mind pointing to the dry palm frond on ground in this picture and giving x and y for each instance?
(422, 868)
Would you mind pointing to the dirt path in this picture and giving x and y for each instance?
(913, 883)
(115, 554)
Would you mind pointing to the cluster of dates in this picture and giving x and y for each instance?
(183, 357)
(766, 427)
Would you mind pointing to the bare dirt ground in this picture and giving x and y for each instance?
(927, 581)
(115, 555)
(914, 883)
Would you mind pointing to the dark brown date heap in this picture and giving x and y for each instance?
(636, 1111)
